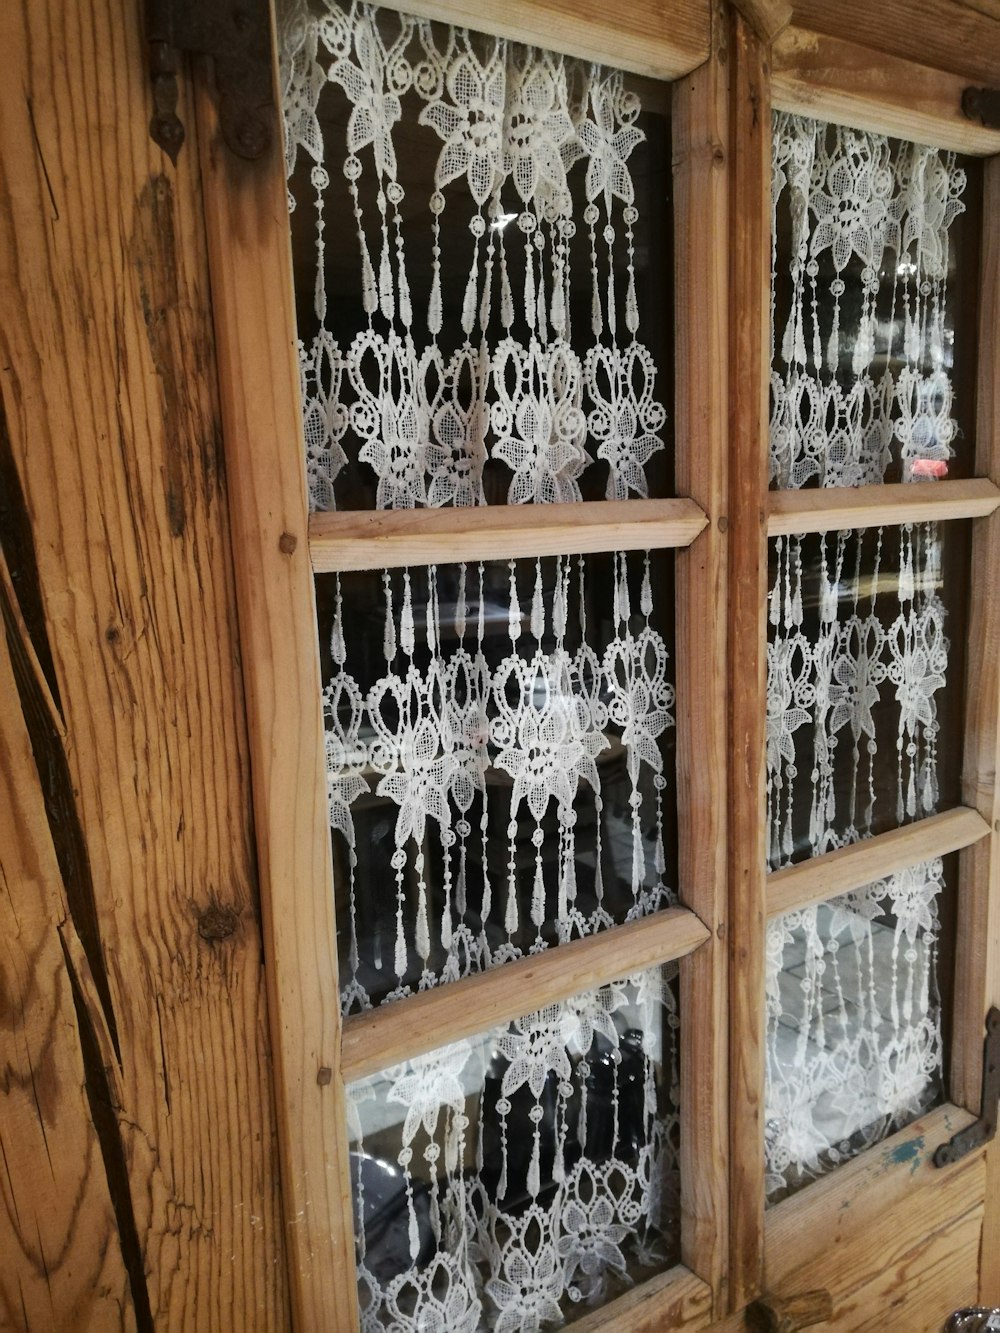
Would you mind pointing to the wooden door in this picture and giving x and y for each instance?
(305, 582)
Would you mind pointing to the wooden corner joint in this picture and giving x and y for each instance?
(768, 18)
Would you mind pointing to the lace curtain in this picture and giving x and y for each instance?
(504, 1182)
(854, 1023)
(861, 393)
(512, 723)
(531, 151)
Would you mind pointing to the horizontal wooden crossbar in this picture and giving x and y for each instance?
(840, 507)
(406, 1028)
(674, 1299)
(385, 539)
(851, 867)
(836, 80)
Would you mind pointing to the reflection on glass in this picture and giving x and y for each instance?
(861, 679)
(481, 243)
(854, 1023)
(868, 328)
(512, 1180)
(498, 756)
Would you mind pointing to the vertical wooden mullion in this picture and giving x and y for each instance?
(254, 310)
(700, 152)
(750, 202)
(977, 960)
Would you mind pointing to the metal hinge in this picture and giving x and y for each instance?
(967, 1140)
(982, 104)
(237, 34)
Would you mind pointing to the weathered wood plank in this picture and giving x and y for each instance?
(701, 298)
(384, 1036)
(977, 961)
(62, 1260)
(253, 303)
(837, 872)
(647, 37)
(846, 1207)
(840, 507)
(108, 376)
(848, 83)
(750, 250)
(382, 539)
(945, 35)
(892, 1238)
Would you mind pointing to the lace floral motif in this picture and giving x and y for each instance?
(857, 208)
(537, 1168)
(465, 730)
(831, 688)
(854, 1023)
(508, 125)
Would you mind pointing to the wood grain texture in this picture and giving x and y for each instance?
(840, 80)
(646, 37)
(989, 1248)
(941, 33)
(894, 1239)
(767, 18)
(62, 1258)
(382, 539)
(839, 507)
(675, 1299)
(253, 304)
(701, 357)
(977, 963)
(107, 375)
(847, 868)
(394, 1032)
(750, 204)
(845, 1208)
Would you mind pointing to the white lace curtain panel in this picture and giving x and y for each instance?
(854, 1023)
(516, 722)
(861, 393)
(558, 1141)
(418, 400)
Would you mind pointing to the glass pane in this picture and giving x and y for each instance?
(515, 1179)
(854, 1030)
(874, 274)
(865, 658)
(481, 247)
(500, 761)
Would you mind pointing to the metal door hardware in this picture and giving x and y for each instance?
(982, 104)
(237, 35)
(984, 1129)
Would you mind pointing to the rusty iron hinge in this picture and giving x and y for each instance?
(967, 1140)
(237, 34)
(982, 104)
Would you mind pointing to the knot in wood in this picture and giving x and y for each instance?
(217, 923)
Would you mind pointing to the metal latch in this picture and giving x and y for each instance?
(237, 35)
(984, 1129)
(982, 104)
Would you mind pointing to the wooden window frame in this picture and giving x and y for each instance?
(277, 549)
(723, 86)
(839, 81)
